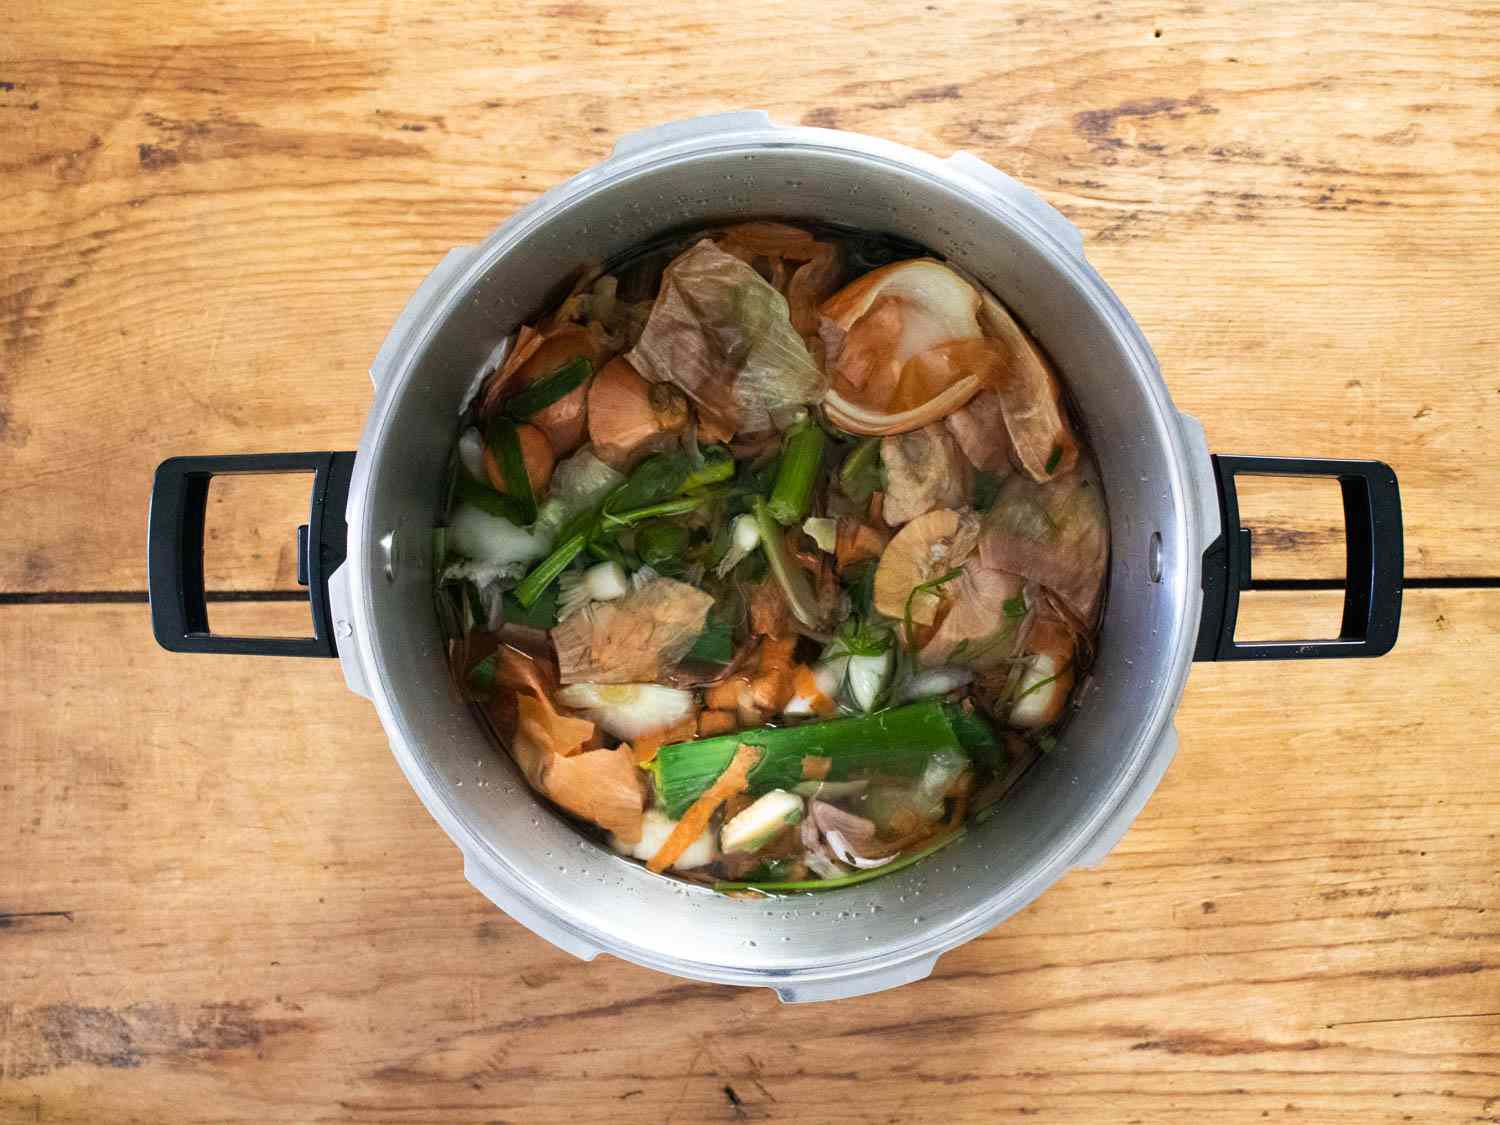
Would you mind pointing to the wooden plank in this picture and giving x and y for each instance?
(214, 214)
(221, 902)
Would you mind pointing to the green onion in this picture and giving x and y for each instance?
(680, 506)
(859, 475)
(860, 637)
(801, 458)
(791, 577)
(976, 736)
(1036, 687)
(715, 645)
(717, 467)
(1014, 607)
(482, 677)
(488, 500)
(854, 878)
(897, 742)
(505, 443)
(605, 551)
(986, 488)
(662, 546)
(908, 627)
(655, 479)
(1053, 458)
(439, 549)
(533, 585)
(549, 389)
(860, 582)
(541, 614)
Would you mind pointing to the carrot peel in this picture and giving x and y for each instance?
(734, 779)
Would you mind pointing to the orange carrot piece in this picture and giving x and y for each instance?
(648, 744)
(805, 686)
(716, 722)
(771, 690)
(734, 779)
(725, 695)
(815, 767)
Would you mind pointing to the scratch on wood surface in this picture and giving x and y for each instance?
(1098, 125)
(1215, 1046)
(11, 919)
(52, 1036)
(1414, 1019)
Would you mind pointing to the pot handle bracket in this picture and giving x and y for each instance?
(1373, 570)
(179, 509)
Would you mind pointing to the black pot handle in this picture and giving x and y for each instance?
(1372, 583)
(179, 505)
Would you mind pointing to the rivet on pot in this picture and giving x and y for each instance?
(386, 550)
(1153, 557)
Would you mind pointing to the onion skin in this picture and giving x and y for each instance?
(855, 419)
(927, 547)
(564, 421)
(1053, 642)
(877, 327)
(629, 418)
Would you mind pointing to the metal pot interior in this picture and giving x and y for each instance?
(1060, 803)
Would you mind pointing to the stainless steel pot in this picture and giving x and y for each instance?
(1179, 558)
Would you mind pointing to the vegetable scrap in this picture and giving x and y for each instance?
(773, 569)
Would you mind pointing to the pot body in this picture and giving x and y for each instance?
(1168, 504)
(1069, 810)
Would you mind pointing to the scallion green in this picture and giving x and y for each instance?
(801, 458)
(896, 742)
(505, 444)
(549, 389)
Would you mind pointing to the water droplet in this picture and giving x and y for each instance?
(562, 870)
(750, 943)
(917, 921)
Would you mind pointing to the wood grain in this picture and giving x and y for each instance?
(213, 212)
(220, 901)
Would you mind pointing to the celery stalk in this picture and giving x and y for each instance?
(801, 458)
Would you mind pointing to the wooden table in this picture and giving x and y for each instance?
(219, 900)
